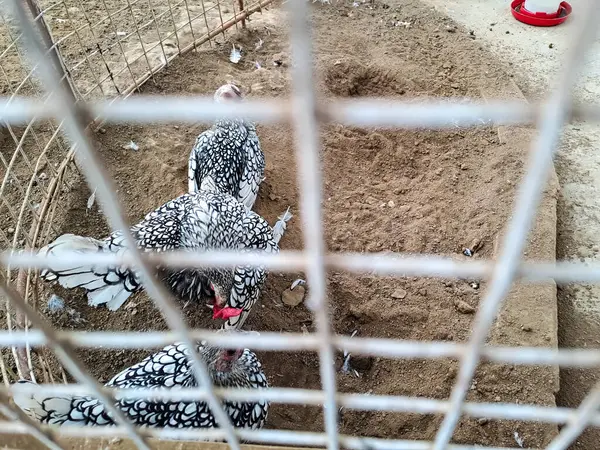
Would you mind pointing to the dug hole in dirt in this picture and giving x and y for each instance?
(418, 191)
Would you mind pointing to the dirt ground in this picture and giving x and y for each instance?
(536, 57)
(409, 191)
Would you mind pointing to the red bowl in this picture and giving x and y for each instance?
(540, 19)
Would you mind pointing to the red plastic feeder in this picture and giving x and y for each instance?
(540, 19)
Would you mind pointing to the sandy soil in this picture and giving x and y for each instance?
(535, 57)
(411, 191)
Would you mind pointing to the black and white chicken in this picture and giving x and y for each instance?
(170, 369)
(191, 222)
(230, 153)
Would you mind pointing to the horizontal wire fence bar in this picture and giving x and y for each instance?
(275, 437)
(383, 264)
(388, 348)
(143, 109)
(362, 402)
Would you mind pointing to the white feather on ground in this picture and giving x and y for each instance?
(281, 225)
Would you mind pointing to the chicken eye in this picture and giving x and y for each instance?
(209, 290)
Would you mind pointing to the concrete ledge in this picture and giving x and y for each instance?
(529, 314)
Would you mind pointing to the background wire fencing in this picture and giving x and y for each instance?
(103, 50)
(121, 48)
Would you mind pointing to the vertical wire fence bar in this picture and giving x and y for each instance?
(241, 8)
(206, 23)
(120, 44)
(218, 3)
(18, 357)
(81, 6)
(579, 421)
(84, 52)
(54, 53)
(139, 35)
(189, 16)
(160, 39)
(13, 95)
(552, 119)
(22, 285)
(233, 9)
(76, 121)
(21, 359)
(174, 26)
(28, 79)
(309, 171)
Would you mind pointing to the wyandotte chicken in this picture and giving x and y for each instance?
(170, 369)
(230, 153)
(191, 222)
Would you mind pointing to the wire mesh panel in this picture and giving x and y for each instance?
(122, 46)
(97, 59)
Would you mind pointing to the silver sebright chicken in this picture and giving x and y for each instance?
(230, 153)
(191, 222)
(168, 368)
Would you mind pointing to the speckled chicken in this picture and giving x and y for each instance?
(191, 222)
(230, 153)
(168, 368)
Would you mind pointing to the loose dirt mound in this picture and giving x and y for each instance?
(409, 191)
(353, 79)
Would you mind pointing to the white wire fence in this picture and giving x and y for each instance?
(96, 59)
(75, 103)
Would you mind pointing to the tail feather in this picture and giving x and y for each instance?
(113, 295)
(38, 407)
(63, 244)
(281, 225)
(104, 285)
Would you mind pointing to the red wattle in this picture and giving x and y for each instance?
(225, 313)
